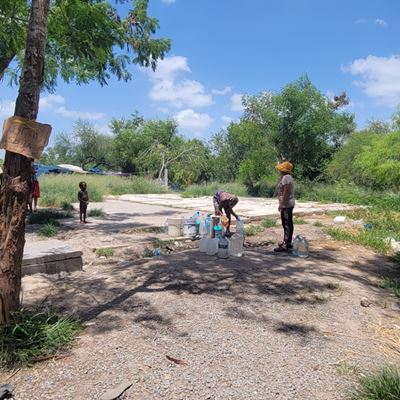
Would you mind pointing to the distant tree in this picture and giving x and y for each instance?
(378, 126)
(85, 147)
(301, 125)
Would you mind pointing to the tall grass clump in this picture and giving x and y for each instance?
(57, 190)
(35, 335)
(346, 193)
(209, 189)
(381, 385)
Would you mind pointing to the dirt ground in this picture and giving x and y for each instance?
(264, 326)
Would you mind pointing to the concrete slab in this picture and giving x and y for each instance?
(50, 257)
(249, 207)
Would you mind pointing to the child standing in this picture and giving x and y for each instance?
(225, 201)
(83, 198)
(35, 189)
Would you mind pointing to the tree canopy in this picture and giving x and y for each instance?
(300, 124)
(87, 40)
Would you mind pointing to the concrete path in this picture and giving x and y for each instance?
(122, 214)
(249, 207)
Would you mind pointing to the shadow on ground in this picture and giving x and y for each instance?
(114, 295)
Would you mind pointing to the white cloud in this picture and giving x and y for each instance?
(381, 22)
(380, 78)
(50, 101)
(236, 102)
(226, 120)
(167, 87)
(223, 92)
(80, 114)
(7, 108)
(192, 120)
(104, 129)
(168, 1)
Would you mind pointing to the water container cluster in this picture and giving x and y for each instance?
(211, 232)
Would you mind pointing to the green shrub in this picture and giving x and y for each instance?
(96, 212)
(381, 385)
(209, 189)
(268, 223)
(147, 253)
(252, 230)
(57, 190)
(299, 221)
(35, 335)
(48, 230)
(318, 224)
(105, 252)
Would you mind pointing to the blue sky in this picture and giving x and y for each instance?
(225, 48)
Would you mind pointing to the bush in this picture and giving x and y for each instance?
(48, 230)
(96, 212)
(57, 190)
(268, 223)
(32, 336)
(382, 385)
(252, 230)
(209, 189)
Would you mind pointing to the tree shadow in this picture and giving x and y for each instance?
(114, 296)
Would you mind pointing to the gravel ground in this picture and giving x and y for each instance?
(264, 326)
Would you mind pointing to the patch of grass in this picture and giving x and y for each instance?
(162, 243)
(147, 253)
(381, 385)
(96, 212)
(35, 335)
(344, 368)
(268, 223)
(48, 230)
(105, 252)
(43, 217)
(67, 206)
(373, 238)
(59, 189)
(343, 192)
(318, 224)
(392, 285)
(252, 230)
(209, 189)
(299, 221)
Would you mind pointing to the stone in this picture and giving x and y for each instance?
(50, 257)
(116, 392)
(365, 302)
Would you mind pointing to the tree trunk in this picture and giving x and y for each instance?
(4, 63)
(166, 176)
(17, 168)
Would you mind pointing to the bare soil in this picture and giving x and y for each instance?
(264, 326)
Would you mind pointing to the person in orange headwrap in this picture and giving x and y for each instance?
(286, 204)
